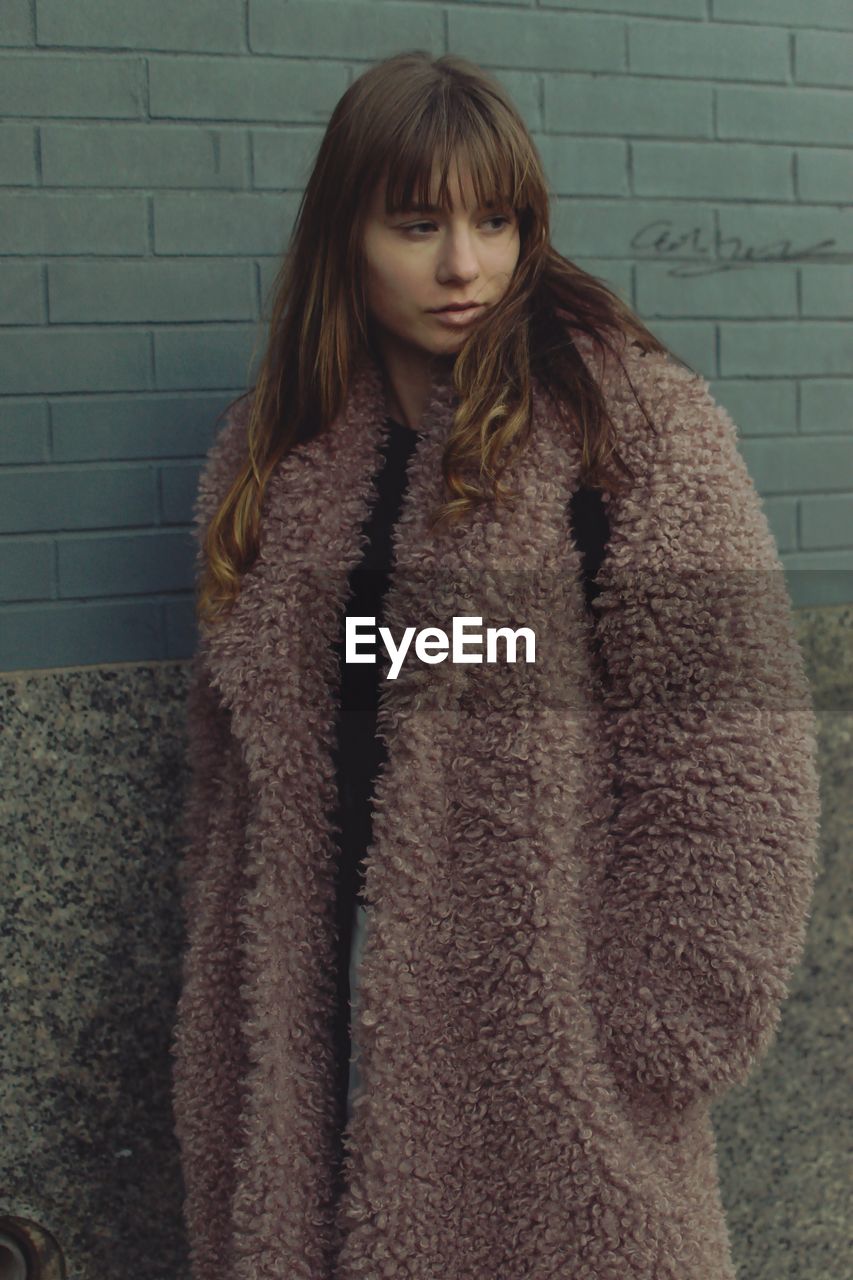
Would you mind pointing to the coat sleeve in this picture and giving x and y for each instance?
(207, 1048)
(208, 1056)
(710, 729)
(208, 751)
(208, 736)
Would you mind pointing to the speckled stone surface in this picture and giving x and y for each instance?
(93, 761)
(92, 931)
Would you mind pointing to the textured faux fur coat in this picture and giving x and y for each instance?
(589, 881)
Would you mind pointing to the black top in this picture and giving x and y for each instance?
(359, 752)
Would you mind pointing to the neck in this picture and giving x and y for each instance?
(408, 377)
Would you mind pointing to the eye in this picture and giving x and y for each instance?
(413, 226)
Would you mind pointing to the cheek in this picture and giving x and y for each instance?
(383, 287)
(505, 262)
(386, 273)
(402, 279)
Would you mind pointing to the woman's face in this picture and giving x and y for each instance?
(418, 261)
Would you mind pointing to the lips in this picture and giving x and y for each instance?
(454, 318)
(455, 306)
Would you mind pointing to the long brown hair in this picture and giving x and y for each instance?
(394, 122)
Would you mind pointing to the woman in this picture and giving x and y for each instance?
(586, 877)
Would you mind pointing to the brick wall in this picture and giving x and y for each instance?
(151, 161)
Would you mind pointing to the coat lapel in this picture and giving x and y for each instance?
(273, 665)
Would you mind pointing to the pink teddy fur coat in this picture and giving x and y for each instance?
(589, 880)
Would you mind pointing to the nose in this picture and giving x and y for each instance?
(458, 259)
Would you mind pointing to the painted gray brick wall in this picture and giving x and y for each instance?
(151, 162)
